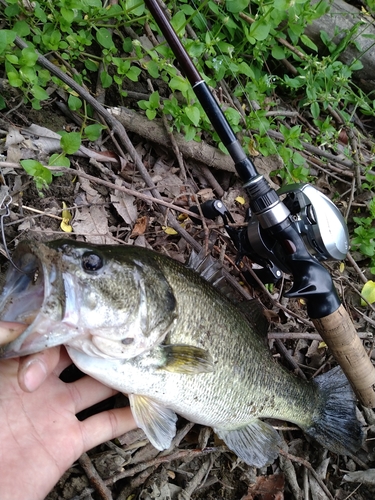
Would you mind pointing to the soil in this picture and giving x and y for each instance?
(199, 466)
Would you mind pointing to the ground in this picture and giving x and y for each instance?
(109, 201)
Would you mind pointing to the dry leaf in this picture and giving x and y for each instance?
(140, 227)
(92, 222)
(266, 488)
(125, 207)
(361, 476)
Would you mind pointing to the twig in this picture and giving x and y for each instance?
(283, 350)
(309, 336)
(194, 483)
(94, 477)
(110, 185)
(177, 455)
(308, 466)
(353, 263)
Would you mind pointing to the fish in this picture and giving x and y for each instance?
(149, 327)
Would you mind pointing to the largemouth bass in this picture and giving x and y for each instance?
(149, 327)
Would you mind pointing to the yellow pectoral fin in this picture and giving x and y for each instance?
(181, 358)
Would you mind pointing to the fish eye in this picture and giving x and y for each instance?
(91, 262)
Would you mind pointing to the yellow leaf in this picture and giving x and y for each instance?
(342, 267)
(251, 149)
(65, 213)
(66, 227)
(322, 345)
(169, 230)
(368, 292)
(66, 218)
(240, 200)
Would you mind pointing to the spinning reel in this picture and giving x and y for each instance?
(317, 220)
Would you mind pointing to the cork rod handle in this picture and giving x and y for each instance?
(338, 332)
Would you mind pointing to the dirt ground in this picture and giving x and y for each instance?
(109, 201)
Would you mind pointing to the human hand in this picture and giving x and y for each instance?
(40, 436)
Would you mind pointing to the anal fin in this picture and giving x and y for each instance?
(157, 422)
(257, 443)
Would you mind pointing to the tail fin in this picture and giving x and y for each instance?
(335, 424)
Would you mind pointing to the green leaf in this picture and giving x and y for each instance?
(41, 174)
(194, 115)
(368, 292)
(154, 99)
(309, 43)
(278, 52)
(356, 65)
(6, 38)
(315, 109)
(70, 142)
(190, 133)
(236, 6)
(233, 116)
(179, 83)
(13, 75)
(105, 79)
(92, 132)
(21, 28)
(153, 69)
(178, 22)
(58, 160)
(12, 58)
(282, 5)
(133, 73)
(74, 103)
(39, 93)
(91, 65)
(143, 104)
(67, 14)
(104, 37)
(151, 113)
(260, 30)
(136, 7)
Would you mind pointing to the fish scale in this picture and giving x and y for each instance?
(148, 326)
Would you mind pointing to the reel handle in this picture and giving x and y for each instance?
(338, 332)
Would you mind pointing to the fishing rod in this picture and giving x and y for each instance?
(294, 234)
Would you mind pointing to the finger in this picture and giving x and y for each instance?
(34, 369)
(105, 426)
(87, 392)
(10, 331)
(64, 361)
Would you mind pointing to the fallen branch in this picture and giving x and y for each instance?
(154, 131)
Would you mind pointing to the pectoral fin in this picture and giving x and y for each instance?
(187, 359)
(256, 444)
(158, 422)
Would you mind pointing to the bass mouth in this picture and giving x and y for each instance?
(32, 296)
